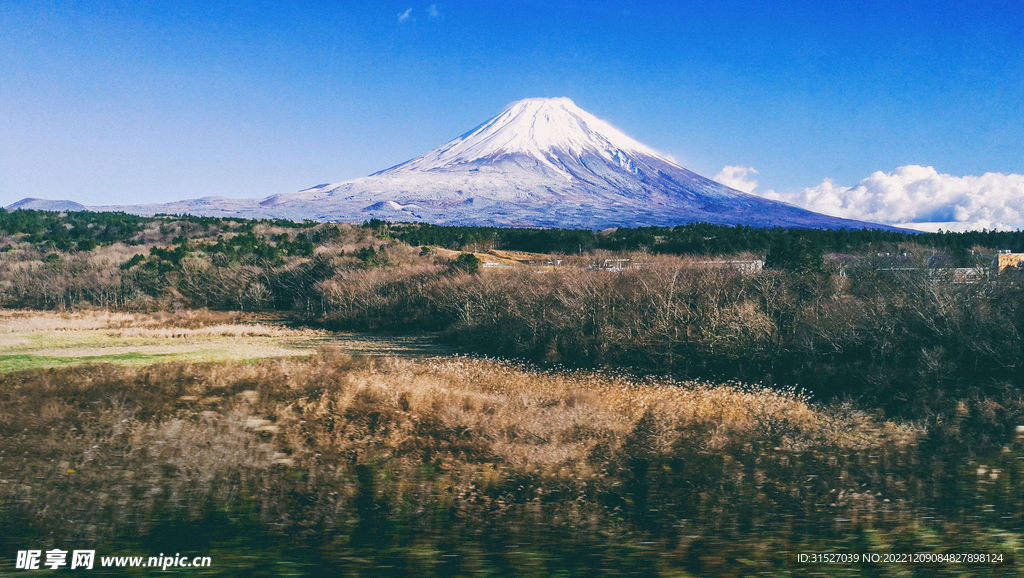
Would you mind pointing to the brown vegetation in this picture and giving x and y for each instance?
(915, 345)
(361, 463)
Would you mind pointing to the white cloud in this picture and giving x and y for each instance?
(433, 11)
(406, 15)
(911, 196)
(737, 178)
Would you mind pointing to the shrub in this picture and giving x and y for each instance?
(465, 263)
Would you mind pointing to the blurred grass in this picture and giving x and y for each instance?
(10, 363)
(331, 464)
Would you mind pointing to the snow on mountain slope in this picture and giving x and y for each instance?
(540, 129)
(541, 162)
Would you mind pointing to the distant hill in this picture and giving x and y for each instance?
(46, 205)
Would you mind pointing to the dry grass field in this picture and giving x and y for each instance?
(374, 464)
(40, 339)
(284, 451)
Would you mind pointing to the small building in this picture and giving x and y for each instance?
(615, 265)
(741, 265)
(1006, 259)
(961, 275)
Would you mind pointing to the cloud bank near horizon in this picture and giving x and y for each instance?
(911, 196)
(738, 178)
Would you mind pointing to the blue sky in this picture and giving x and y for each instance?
(138, 101)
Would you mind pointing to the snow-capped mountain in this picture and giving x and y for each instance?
(544, 162)
(540, 162)
(547, 131)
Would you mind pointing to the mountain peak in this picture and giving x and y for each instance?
(544, 100)
(543, 130)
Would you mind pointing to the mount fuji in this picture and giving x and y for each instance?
(541, 162)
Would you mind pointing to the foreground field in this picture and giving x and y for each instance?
(33, 339)
(333, 464)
